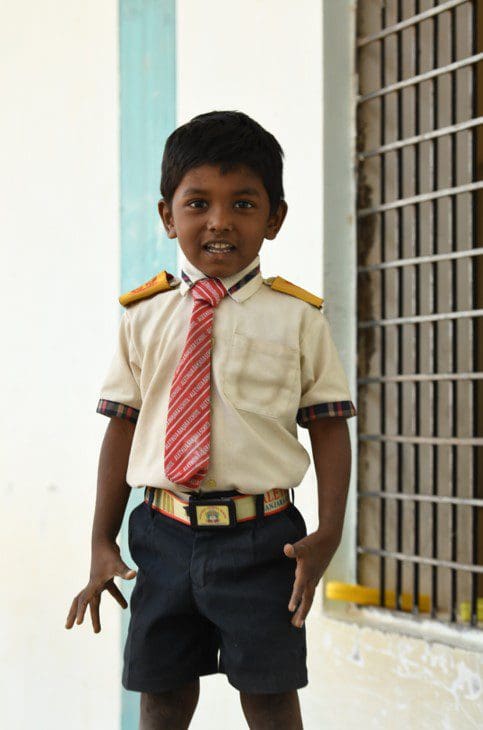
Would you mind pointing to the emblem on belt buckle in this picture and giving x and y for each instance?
(212, 513)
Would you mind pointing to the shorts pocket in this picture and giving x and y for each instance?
(261, 376)
(139, 536)
(132, 522)
(296, 520)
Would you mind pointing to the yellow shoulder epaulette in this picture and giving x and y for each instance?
(161, 282)
(279, 284)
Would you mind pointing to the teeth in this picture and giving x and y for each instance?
(218, 247)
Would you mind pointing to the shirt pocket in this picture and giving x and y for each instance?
(260, 376)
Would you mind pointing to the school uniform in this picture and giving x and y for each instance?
(200, 592)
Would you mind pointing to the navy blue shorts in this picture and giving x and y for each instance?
(213, 601)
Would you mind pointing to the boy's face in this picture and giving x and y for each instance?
(220, 221)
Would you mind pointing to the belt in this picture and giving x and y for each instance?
(205, 512)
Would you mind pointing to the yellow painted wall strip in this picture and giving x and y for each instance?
(368, 596)
(465, 610)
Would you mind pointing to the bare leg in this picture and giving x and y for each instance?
(171, 710)
(272, 711)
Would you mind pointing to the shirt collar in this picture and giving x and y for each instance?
(239, 286)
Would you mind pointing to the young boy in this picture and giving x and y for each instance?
(213, 371)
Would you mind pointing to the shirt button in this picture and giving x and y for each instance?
(211, 483)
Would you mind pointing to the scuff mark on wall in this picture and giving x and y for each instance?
(467, 683)
(377, 679)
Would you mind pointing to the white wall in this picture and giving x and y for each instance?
(60, 243)
(263, 57)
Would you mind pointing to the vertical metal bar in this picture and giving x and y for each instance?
(434, 325)
(417, 309)
(475, 19)
(400, 306)
(382, 122)
(454, 331)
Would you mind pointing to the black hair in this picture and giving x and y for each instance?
(227, 139)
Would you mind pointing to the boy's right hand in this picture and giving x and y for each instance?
(106, 563)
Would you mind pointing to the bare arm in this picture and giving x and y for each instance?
(112, 496)
(332, 460)
(112, 489)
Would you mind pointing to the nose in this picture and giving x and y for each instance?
(220, 219)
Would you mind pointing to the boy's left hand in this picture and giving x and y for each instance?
(313, 554)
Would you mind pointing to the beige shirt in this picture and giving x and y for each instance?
(274, 363)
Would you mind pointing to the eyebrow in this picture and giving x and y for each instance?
(201, 191)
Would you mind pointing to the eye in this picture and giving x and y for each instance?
(196, 203)
(244, 204)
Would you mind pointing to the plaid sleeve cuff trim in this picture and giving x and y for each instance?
(344, 408)
(118, 410)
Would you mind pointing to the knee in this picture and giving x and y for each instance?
(170, 710)
(264, 711)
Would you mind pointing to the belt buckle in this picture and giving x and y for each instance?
(208, 513)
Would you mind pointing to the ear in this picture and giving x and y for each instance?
(167, 218)
(275, 221)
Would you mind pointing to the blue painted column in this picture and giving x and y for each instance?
(148, 116)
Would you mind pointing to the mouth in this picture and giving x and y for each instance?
(218, 247)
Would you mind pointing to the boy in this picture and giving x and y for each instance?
(211, 375)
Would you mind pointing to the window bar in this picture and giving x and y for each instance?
(434, 325)
(412, 319)
(422, 137)
(464, 501)
(475, 19)
(438, 440)
(400, 309)
(382, 504)
(422, 198)
(454, 331)
(463, 253)
(421, 377)
(417, 308)
(469, 61)
(421, 560)
(414, 20)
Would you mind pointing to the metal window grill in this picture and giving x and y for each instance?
(420, 304)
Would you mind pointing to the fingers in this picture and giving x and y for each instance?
(305, 582)
(94, 604)
(91, 596)
(304, 606)
(124, 572)
(298, 551)
(72, 614)
(116, 593)
(297, 593)
(82, 603)
(79, 607)
(295, 550)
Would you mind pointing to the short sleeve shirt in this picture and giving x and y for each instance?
(274, 364)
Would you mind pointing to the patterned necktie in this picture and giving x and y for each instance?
(187, 444)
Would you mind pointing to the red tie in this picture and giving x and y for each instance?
(187, 443)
